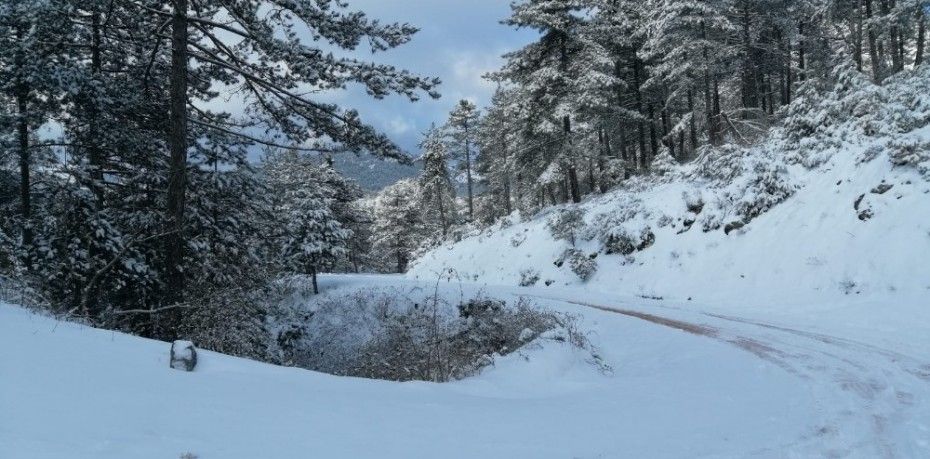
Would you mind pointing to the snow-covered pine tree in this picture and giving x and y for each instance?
(263, 55)
(398, 227)
(33, 74)
(687, 45)
(310, 235)
(462, 129)
(552, 71)
(496, 141)
(436, 189)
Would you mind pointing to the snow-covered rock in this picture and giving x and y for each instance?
(183, 355)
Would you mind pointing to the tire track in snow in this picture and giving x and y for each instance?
(862, 389)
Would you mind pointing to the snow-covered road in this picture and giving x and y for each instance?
(871, 400)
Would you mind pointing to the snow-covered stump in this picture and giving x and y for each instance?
(183, 355)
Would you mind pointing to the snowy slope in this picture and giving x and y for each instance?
(67, 391)
(811, 247)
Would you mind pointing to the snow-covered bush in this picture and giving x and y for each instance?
(912, 153)
(566, 224)
(582, 265)
(385, 334)
(230, 322)
(694, 201)
(619, 233)
(664, 164)
(528, 277)
(767, 186)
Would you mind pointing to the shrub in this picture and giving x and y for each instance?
(528, 277)
(582, 265)
(566, 224)
(423, 344)
(385, 334)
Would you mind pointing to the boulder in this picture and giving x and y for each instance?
(183, 355)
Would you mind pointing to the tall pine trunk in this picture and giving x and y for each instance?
(692, 125)
(802, 48)
(95, 156)
(708, 97)
(571, 171)
(177, 143)
(921, 39)
(471, 203)
(25, 161)
(640, 126)
(874, 59)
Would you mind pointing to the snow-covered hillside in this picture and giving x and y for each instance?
(685, 383)
(835, 204)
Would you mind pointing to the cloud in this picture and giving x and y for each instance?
(399, 125)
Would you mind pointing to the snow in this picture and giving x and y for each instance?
(801, 334)
(685, 383)
(811, 248)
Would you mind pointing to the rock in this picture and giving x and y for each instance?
(858, 201)
(733, 226)
(183, 355)
(882, 188)
(865, 214)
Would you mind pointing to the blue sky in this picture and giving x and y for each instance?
(459, 40)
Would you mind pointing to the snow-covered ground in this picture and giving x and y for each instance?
(688, 380)
(811, 248)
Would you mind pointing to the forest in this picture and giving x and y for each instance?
(673, 228)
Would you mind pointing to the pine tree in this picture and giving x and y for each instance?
(462, 128)
(311, 236)
(267, 62)
(398, 222)
(553, 70)
(436, 189)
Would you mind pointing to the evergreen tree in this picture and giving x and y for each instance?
(311, 236)
(398, 222)
(462, 127)
(436, 188)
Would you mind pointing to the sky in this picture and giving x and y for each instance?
(459, 41)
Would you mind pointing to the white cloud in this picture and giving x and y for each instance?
(399, 125)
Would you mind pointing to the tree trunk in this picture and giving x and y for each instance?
(802, 61)
(602, 184)
(749, 90)
(25, 187)
(623, 146)
(316, 288)
(874, 59)
(653, 139)
(177, 142)
(692, 126)
(641, 128)
(401, 262)
(25, 161)
(94, 153)
(471, 204)
(921, 39)
(572, 171)
(897, 63)
(507, 198)
(666, 129)
(442, 211)
(708, 98)
(682, 156)
(857, 49)
(717, 129)
(789, 81)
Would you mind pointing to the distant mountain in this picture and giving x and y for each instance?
(373, 173)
